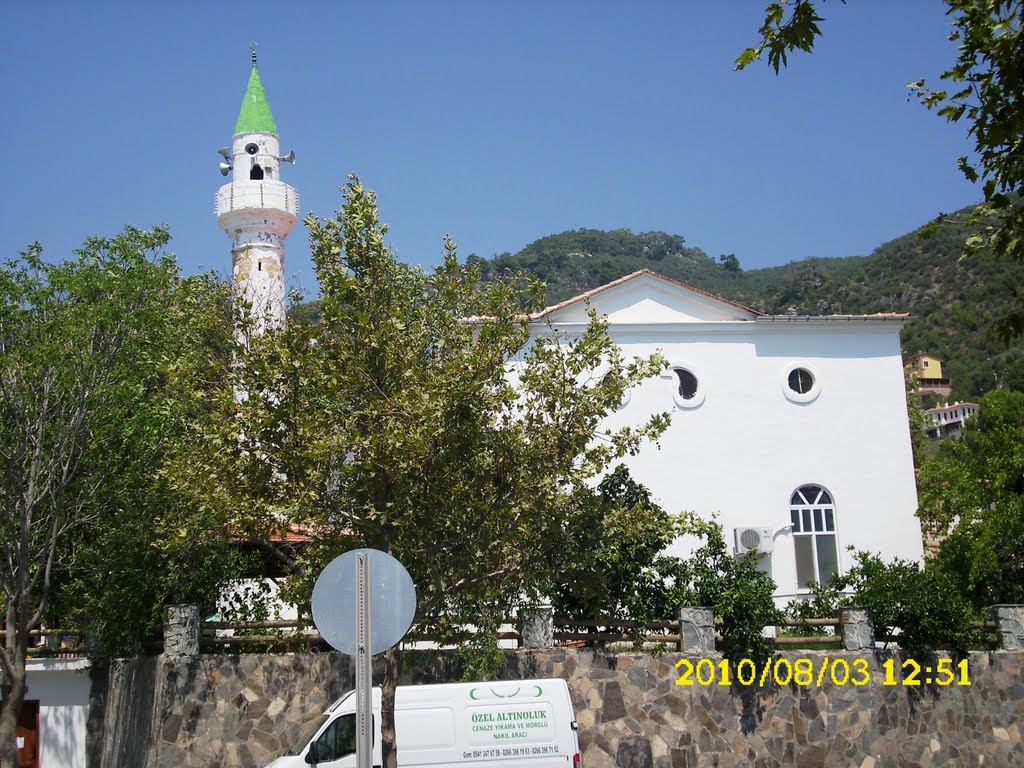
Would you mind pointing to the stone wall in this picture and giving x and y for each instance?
(242, 711)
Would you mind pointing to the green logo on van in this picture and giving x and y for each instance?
(478, 694)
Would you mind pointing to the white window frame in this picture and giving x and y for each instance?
(796, 397)
(698, 397)
(819, 516)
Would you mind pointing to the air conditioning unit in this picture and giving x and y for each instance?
(750, 539)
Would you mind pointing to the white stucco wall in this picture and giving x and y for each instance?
(745, 450)
(61, 686)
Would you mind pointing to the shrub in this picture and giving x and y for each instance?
(922, 603)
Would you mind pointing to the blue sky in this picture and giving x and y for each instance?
(499, 122)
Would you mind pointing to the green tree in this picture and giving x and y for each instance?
(614, 565)
(729, 262)
(1011, 374)
(78, 341)
(915, 418)
(986, 90)
(972, 495)
(114, 579)
(742, 595)
(923, 603)
(822, 603)
(422, 418)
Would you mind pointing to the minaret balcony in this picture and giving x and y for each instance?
(267, 195)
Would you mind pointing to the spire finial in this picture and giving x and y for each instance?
(252, 45)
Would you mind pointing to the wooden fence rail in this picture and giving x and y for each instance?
(300, 633)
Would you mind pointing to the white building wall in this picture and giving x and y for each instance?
(743, 451)
(749, 443)
(747, 448)
(61, 686)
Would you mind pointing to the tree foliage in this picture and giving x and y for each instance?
(613, 566)
(729, 262)
(972, 494)
(147, 547)
(916, 420)
(420, 417)
(986, 90)
(924, 604)
(84, 349)
(822, 603)
(572, 262)
(1011, 374)
(741, 594)
(783, 33)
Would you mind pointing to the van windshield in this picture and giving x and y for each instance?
(307, 735)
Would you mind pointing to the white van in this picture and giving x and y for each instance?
(469, 725)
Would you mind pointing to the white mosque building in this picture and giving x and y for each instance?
(791, 430)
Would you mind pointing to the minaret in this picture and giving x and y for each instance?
(256, 209)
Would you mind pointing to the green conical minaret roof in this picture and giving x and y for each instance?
(255, 115)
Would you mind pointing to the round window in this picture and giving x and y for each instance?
(801, 381)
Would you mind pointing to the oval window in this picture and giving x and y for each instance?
(687, 384)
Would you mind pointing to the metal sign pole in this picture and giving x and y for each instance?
(364, 670)
(343, 589)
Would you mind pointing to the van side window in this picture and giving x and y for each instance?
(338, 740)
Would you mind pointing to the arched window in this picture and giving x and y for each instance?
(814, 535)
(256, 174)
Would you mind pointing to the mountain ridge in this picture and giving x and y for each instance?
(955, 302)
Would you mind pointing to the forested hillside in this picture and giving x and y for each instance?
(954, 302)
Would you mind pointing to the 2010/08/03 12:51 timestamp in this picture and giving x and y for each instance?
(810, 672)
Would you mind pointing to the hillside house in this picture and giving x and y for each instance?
(948, 420)
(930, 377)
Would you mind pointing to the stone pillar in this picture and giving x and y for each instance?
(538, 626)
(696, 630)
(1009, 621)
(857, 628)
(181, 630)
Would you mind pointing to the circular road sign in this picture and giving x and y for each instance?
(392, 601)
